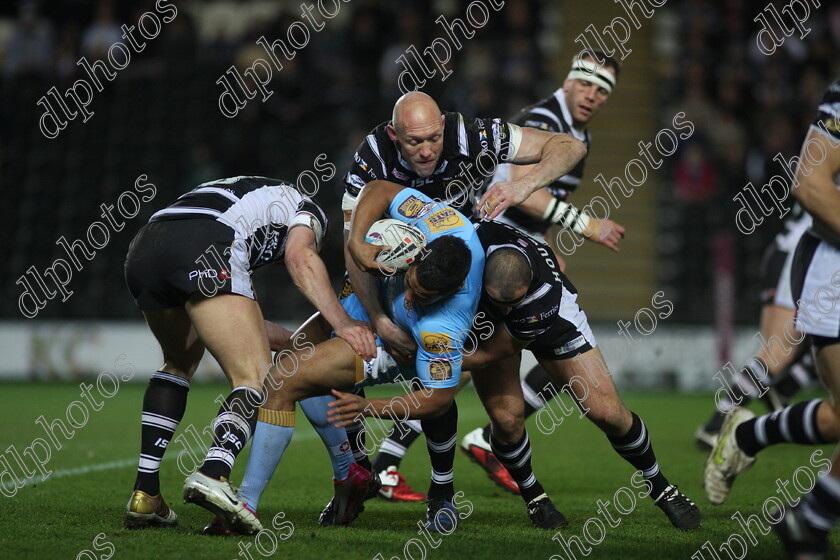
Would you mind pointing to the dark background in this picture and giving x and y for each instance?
(160, 118)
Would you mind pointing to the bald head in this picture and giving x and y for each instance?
(414, 109)
(417, 130)
(507, 274)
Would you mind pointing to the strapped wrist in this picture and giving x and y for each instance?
(567, 216)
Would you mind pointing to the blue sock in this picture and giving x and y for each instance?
(267, 448)
(335, 439)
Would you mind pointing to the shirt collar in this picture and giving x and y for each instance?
(578, 133)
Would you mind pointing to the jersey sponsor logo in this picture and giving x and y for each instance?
(420, 181)
(346, 289)
(529, 320)
(444, 219)
(440, 370)
(569, 346)
(408, 306)
(362, 163)
(411, 207)
(550, 313)
(482, 138)
(536, 124)
(355, 180)
(399, 174)
(436, 343)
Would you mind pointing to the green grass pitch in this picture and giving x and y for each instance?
(78, 511)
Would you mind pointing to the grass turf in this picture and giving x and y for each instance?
(77, 512)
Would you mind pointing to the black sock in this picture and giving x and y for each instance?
(356, 435)
(821, 505)
(800, 373)
(441, 437)
(635, 448)
(517, 460)
(537, 389)
(794, 424)
(393, 449)
(487, 431)
(163, 407)
(232, 428)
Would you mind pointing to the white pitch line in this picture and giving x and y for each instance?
(110, 465)
(73, 472)
(124, 463)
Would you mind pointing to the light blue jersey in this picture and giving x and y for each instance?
(438, 329)
(441, 328)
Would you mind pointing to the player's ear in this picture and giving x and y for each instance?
(443, 122)
(392, 132)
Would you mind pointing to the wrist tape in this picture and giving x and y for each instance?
(567, 216)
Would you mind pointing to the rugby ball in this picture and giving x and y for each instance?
(405, 240)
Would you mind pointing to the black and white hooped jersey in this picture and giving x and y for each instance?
(260, 211)
(541, 307)
(552, 115)
(827, 121)
(795, 224)
(458, 175)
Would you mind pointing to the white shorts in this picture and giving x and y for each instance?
(816, 287)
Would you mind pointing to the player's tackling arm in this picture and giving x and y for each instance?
(311, 278)
(397, 342)
(374, 201)
(430, 403)
(542, 205)
(554, 155)
(498, 346)
(816, 190)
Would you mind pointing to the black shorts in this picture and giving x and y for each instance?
(169, 261)
(569, 335)
(561, 342)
